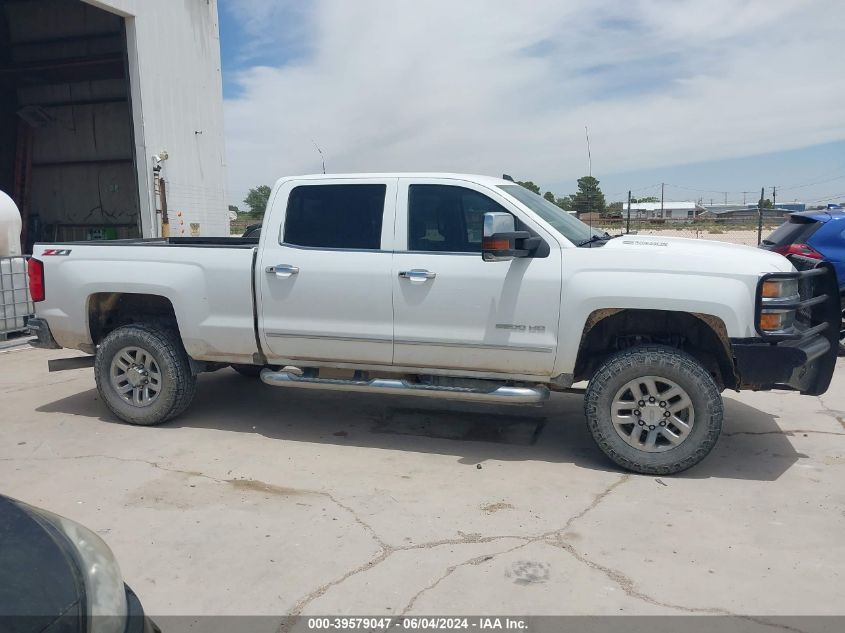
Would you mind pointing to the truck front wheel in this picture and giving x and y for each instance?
(654, 410)
(143, 374)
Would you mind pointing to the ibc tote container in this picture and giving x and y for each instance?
(15, 303)
(10, 227)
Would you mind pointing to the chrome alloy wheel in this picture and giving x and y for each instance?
(652, 414)
(135, 376)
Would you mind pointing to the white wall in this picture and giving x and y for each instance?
(177, 101)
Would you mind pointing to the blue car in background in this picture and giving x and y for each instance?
(810, 237)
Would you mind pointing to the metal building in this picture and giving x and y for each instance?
(99, 100)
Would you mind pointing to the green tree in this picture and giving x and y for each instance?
(549, 196)
(589, 198)
(765, 203)
(564, 203)
(232, 207)
(257, 199)
(530, 186)
(646, 199)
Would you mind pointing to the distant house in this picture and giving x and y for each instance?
(793, 207)
(743, 213)
(667, 212)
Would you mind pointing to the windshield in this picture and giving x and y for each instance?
(566, 224)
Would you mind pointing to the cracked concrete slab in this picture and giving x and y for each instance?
(538, 578)
(269, 502)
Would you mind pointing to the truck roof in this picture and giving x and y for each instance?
(476, 178)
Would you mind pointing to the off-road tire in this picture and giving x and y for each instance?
(676, 366)
(250, 371)
(178, 382)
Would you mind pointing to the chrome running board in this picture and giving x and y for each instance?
(501, 393)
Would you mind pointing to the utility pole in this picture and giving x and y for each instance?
(629, 212)
(760, 216)
(662, 185)
(774, 197)
(726, 198)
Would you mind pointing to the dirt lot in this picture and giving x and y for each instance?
(272, 502)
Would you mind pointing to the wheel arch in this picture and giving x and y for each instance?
(108, 311)
(703, 336)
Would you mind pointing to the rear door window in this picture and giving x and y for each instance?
(335, 216)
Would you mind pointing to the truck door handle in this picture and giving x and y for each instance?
(417, 275)
(282, 270)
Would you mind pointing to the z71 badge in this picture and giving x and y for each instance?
(56, 252)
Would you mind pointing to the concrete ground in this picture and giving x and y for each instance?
(263, 501)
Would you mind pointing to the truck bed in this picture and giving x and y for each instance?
(203, 242)
(208, 281)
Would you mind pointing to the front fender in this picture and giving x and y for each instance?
(729, 299)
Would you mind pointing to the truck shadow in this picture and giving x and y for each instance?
(752, 445)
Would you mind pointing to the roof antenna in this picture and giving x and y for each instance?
(589, 156)
(589, 173)
(322, 158)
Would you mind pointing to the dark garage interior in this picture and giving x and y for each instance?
(67, 153)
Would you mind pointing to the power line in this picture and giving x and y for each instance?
(810, 184)
(830, 197)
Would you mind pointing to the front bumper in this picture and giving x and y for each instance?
(804, 358)
(41, 330)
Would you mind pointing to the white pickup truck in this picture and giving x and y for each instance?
(449, 286)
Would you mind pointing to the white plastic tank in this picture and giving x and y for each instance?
(10, 227)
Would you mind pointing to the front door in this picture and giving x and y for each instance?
(324, 272)
(452, 309)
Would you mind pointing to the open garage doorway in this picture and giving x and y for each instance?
(67, 153)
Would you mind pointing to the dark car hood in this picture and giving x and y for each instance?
(39, 579)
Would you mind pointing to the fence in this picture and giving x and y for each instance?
(735, 232)
(15, 302)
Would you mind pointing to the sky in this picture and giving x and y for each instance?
(714, 98)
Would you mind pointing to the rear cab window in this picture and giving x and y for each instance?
(347, 216)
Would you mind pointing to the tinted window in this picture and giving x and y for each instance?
(335, 216)
(796, 231)
(447, 218)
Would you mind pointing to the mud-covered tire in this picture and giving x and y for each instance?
(177, 383)
(673, 365)
(249, 371)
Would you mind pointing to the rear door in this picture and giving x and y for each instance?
(452, 309)
(324, 271)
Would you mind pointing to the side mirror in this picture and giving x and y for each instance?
(499, 240)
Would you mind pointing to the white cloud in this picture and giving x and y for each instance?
(492, 86)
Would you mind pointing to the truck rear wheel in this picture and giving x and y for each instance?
(654, 410)
(143, 374)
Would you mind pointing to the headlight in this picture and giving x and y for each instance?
(779, 297)
(779, 288)
(104, 590)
